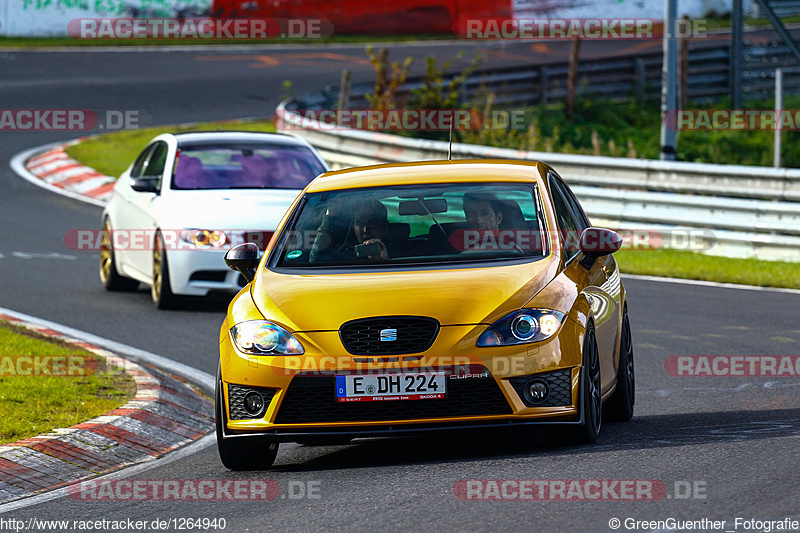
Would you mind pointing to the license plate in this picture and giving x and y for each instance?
(384, 387)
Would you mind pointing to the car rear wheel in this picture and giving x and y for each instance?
(160, 290)
(112, 280)
(241, 453)
(619, 407)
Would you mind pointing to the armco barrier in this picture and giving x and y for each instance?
(752, 211)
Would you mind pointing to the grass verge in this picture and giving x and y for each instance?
(35, 404)
(691, 265)
(112, 153)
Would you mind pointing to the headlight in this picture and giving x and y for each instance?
(259, 337)
(203, 237)
(521, 327)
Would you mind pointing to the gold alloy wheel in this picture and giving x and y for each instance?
(106, 256)
(155, 288)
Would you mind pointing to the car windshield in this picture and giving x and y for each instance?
(405, 225)
(245, 166)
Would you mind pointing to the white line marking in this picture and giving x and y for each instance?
(682, 281)
(35, 255)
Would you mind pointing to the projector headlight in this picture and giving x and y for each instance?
(259, 337)
(521, 327)
(203, 238)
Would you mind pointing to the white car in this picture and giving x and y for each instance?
(189, 197)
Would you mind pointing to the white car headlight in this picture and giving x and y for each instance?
(260, 337)
(203, 238)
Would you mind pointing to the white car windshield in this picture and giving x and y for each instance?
(416, 224)
(245, 166)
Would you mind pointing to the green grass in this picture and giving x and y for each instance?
(112, 153)
(58, 42)
(35, 404)
(691, 265)
(633, 130)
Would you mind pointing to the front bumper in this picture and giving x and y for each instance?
(312, 410)
(196, 272)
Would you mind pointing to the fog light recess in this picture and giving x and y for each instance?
(536, 391)
(253, 403)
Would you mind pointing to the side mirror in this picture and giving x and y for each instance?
(145, 185)
(244, 259)
(597, 242)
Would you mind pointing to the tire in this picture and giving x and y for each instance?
(619, 408)
(111, 279)
(591, 393)
(160, 290)
(241, 453)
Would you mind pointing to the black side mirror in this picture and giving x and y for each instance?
(145, 184)
(597, 242)
(244, 259)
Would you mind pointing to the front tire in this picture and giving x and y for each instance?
(112, 280)
(160, 290)
(619, 407)
(591, 392)
(241, 453)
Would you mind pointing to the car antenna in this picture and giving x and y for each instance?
(450, 145)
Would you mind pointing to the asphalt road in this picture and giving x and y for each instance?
(734, 439)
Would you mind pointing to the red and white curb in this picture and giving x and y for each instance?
(56, 168)
(166, 413)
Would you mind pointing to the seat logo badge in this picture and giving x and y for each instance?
(388, 335)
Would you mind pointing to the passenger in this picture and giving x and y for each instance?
(483, 211)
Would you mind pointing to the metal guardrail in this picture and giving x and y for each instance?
(614, 78)
(752, 211)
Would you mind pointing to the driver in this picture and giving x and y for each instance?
(366, 234)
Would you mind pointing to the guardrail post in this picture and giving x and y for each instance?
(668, 92)
(344, 90)
(776, 155)
(735, 55)
(683, 96)
(543, 82)
(641, 80)
(572, 76)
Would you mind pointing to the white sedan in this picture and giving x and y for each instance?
(189, 197)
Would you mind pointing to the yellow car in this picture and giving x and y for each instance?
(402, 298)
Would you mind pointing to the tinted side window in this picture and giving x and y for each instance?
(157, 160)
(140, 164)
(568, 226)
(580, 217)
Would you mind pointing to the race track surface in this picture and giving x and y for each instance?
(733, 439)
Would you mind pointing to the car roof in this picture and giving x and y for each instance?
(427, 172)
(236, 137)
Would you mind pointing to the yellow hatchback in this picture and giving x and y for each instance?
(402, 298)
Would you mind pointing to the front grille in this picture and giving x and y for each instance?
(363, 336)
(312, 398)
(559, 385)
(236, 394)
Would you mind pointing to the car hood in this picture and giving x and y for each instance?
(314, 302)
(244, 209)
